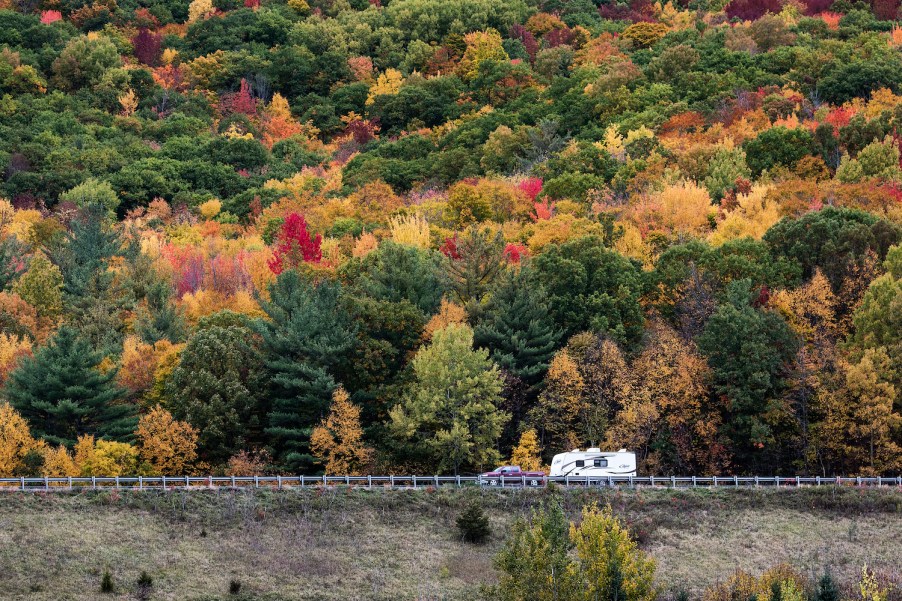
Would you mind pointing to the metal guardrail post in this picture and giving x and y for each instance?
(715, 481)
(369, 482)
(694, 482)
(70, 483)
(140, 483)
(22, 483)
(257, 481)
(391, 480)
(279, 481)
(414, 482)
(798, 482)
(458, 481)
(117, 482)
(736, 481)
(651, 480)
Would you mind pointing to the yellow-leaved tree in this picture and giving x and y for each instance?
(200, 9)
(105, 457)
(15, 440)
(611, 565)
(59, 463)
(167, 445)
(12, 349)
(387, 84)
(338, 440)
(527, 452)
(560, 406)
(448, 312)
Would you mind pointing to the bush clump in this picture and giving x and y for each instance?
(473, 524)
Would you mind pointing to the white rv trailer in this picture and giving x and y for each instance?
(594, 462)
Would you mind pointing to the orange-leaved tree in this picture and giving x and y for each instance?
(15, 440)
(169, 446)
(338, 440)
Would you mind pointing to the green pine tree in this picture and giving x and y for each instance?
(517, 328)
(476, 262)
(11, 251)
(159, 318)
(826, 588)
(63, 395)
(305, 343)
(93, 298)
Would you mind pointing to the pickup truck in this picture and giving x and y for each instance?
(513, 476)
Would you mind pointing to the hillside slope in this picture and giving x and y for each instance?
(356, 544)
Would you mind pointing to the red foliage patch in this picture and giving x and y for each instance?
(50, 16)
(449, 248)
(294, 245)
(148, 47)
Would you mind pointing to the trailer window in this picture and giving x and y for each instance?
(601, 463)
(580, 463)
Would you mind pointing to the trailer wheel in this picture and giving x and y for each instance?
(493, 483)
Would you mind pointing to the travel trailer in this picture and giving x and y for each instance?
(594, 462)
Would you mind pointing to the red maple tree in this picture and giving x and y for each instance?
(294, 245)
(50, 16)
(148, 47)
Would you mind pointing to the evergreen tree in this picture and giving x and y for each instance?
(517, 328)
(11, 253)
(396, 272)
(216, 388)
(158, 317)
(305, 344)
(826, 588)
(477, 259)
(92, 297)
(63, 395)
(85, 251)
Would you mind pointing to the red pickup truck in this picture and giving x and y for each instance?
(512, 476)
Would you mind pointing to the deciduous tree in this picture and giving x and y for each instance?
(167, 445)
(15, 440)
(338, 440)
(451, 411)
(527, 453)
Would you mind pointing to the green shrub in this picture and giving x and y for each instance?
(474, 524)
(106, 583)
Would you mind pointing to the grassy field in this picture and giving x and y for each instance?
(346, 544)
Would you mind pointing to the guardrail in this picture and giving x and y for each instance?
(415, 482)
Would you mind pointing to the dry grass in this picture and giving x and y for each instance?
(356, 544)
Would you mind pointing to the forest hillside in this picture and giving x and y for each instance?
(429, 236)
